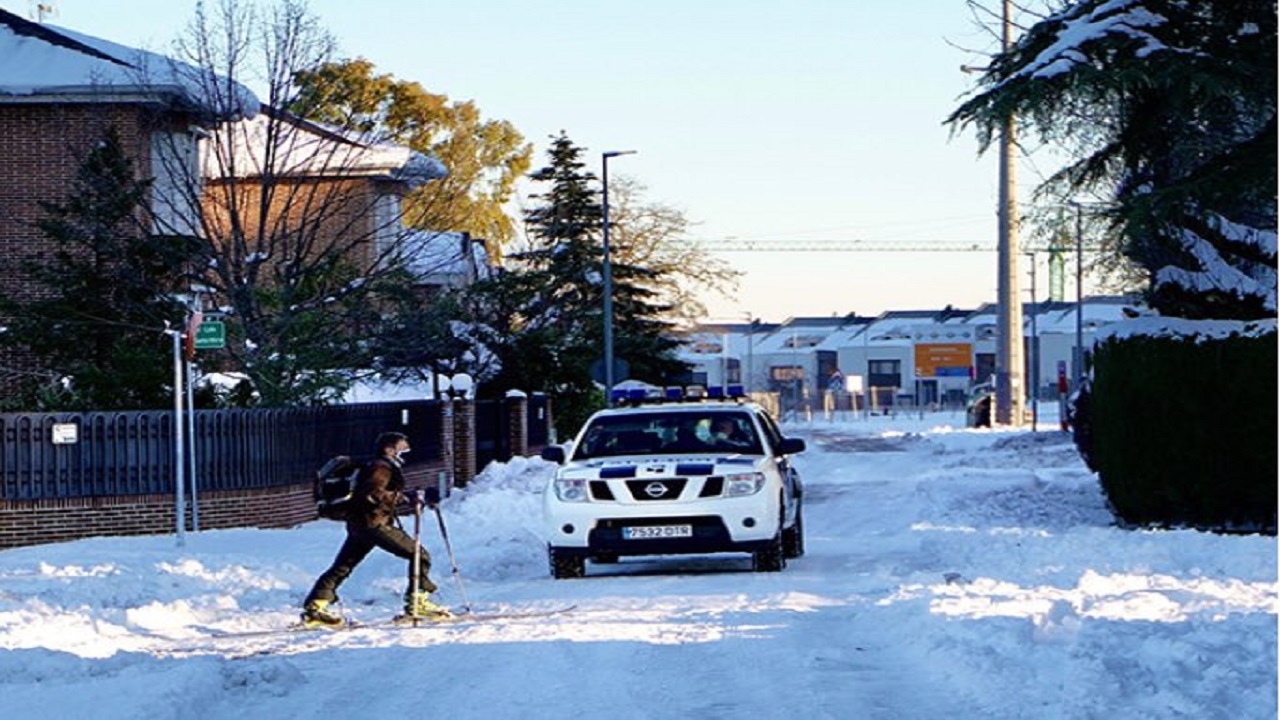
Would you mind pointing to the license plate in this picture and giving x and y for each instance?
(656, 532)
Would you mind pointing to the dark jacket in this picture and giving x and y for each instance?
(376, 495)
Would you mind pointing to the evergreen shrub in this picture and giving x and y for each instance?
(1183, 431)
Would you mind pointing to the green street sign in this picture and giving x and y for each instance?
(211, 335)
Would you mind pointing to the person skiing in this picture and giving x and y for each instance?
(371, 523)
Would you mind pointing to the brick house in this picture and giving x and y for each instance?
(322, 190)
(59, 92)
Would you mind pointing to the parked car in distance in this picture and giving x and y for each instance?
(674, 478)
(980, 405)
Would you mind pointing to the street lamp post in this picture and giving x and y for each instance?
(607, 272)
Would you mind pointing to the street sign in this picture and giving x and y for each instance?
(66, 433)
(943, 359)
(211, 335)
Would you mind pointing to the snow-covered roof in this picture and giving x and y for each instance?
(1094, 313)
(308, 149)
(853, 328)
(44, 61)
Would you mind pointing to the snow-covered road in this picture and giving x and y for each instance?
(949, 573)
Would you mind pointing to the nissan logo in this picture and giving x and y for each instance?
(655, 489)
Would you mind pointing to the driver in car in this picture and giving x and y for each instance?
(725, 430)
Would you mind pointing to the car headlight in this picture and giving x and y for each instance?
(743, 484)
(571, 490)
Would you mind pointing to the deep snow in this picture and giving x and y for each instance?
(950, 573)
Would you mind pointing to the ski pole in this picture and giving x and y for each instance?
(457, 574)
(415, 581)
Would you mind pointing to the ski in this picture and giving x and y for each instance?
(474, 616)
(399, 621)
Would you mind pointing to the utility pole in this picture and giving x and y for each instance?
(1009, 365)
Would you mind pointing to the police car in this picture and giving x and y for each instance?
(675, 477)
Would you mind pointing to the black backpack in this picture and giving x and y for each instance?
(334, 487)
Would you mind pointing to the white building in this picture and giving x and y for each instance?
(902, 357)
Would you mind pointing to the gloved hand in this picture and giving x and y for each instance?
(418, 496)
(431, 495)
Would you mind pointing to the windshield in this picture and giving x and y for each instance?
(669, 433)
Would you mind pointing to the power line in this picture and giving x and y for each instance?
(735, 245)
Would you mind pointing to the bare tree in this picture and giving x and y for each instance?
(305, 243)
(654, 236)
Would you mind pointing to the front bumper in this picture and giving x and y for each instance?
(742, 524)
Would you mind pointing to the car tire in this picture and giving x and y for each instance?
(772, 558)
(565, 563)
(793, 537)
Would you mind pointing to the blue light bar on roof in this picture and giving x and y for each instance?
(636, 394)
(736, 391)
(617, 395)
(674, 394)
(715, 392)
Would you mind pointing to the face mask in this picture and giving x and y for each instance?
(401, 453)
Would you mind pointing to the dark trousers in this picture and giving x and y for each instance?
(359, 542)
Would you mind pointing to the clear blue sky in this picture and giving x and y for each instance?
(760, 119)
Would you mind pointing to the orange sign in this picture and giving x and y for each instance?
(943, 359)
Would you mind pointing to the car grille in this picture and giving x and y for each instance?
(713, 487)
(665, 489)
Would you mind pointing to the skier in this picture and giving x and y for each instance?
(372, 523)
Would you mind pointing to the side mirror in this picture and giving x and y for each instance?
(791, 446)
(553, 453)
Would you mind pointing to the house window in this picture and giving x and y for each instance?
(176, 185)
(884, 373)
(387, 230)
(786, 373)
(802, 341)
(884, 367)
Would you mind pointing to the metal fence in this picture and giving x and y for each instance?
(132, 453)
(539, 421)
(492, 432)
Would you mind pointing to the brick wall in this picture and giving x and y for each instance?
(44, 521)
(47, 521)
(42, 147)
(517, 407)
(464, 442)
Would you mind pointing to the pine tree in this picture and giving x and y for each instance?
(554, 298)
(1169, 108)
(95, 322)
